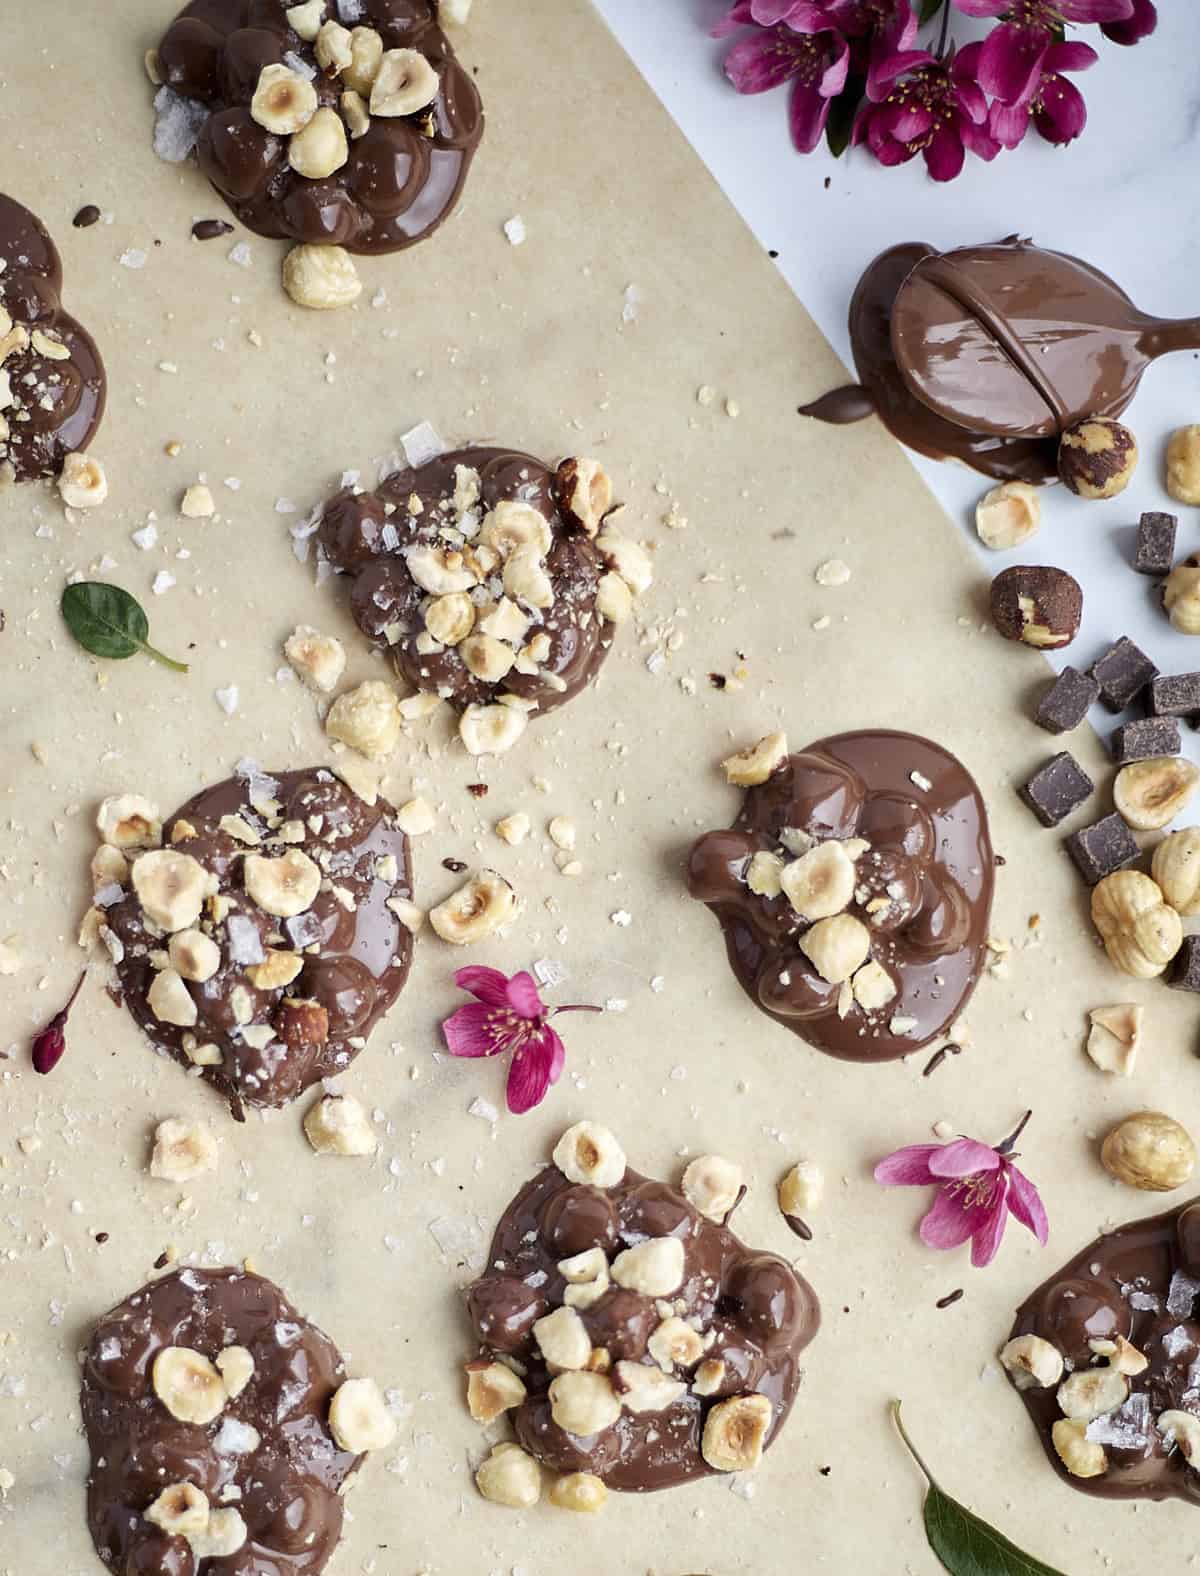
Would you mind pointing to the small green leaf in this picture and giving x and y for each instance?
(964, 1543)
(841, 115)
(929, 9)
(108, 622)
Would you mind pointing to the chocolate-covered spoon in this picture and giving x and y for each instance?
(1020, 342)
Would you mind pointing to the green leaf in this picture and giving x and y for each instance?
(929, 9)
(108, 622)
(965, 1543)
(841, 115)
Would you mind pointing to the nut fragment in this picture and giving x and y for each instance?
(1181, 1429)
(301, 1022)
(451, 618)
(1008, 515)
(675, 1344)
(802, 1189)
(1181, 596)
(1032, 1362)
(321, 277)
(179, 1510)
(821, 882)
(354, 113)
(1149, 1151)
(836, 947)
(563, 1339)
(710, 1376)
(1115, 1037)
(358, 1418)
(236, 1367)
(873, 987)
(82, 483)
(183, 1150)
(1037, 605)
(654, 1268)
(321, 147)
(1092, 1392)
(735, 1433)
(367, 719)
(1140, 933)
(224, 1535)
(316, 659)
(305, 20)
(627, 558)
(752, 766)
(339, 1125)
(490, 730)
(283, 101)
(109, 867)
(589, 1155)
(170, 886)
(492, 1390)
(170, 1000)
(764, 873)
(366, 53)
(188, 1385)
(584, 493)
(332, 48)
(405, 83)
(525, 578)
(643, 1388)
(513, 524)
(1081, 1456)
(510, 1477)
(481, 906)
(194, 955)
(614, 599)
(129, 821)
(282, 887)
(1122, 1355)
(1150, 794)
(580, 1491)
(1097, 457)
(197, 502)
(1176, 868)
(278, 968)
(1183, 464)
(583, 1403)
(486, 657)
(712, 1185)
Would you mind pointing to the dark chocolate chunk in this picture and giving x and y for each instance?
(86, 217)
(1101, 848)
(1037, 604)
(1065, 704)
(1057, 789)
(1175, 695)
(1122, 674)
(211, 229)
(1155, 550)
(1184, 971)
(1144, 740)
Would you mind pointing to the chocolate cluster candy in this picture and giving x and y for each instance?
(491, 580)
(52, 383)
(356, 136)
(259, 933)
(222, 1430)
(1106, 1356)
(989, 353)
(633, 1338)
(854, 889)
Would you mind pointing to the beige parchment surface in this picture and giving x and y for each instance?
(528, 346)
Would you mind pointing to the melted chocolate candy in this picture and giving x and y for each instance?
(402, 176)
(924, 889)
(370, 536)
(286, 1487)
(753, 1312)
(987, 354)
(1141, 1282)
(251, 1043)
(55, 383)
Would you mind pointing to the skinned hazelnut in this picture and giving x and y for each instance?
(317, 660)
(366, 718)
(1032, 1361)
(562, 1339)
(278, 968)
(366, 53)
(188, 1385)
(194, 955)
(588, 1155)
(179, 1510)
(170, 1000)
(1115, 1037)
(355, 114)
(513, 524)
(614, 599)
(405, 82)
(339, 1125)
(643, 1388)
(525, 578)
(491, 730)
(710, 1376)
(1141, 934)
(654, 1268)
(492, 1390)
(283, 101)
(236, 1367)
(481, 906)
(321, 147)
(1092, 1392)
(321, 278)
(764, 873)
(450, 618)
(305, 20)
(510, 1477)
(1181, 596)
(82, 483)
(333, 48)
(712, 1185)
(579, 1491)
(1097, 457)
(821, 882)
(836, 947)
(1181, 1429)
(1183, 464)
(197, 502)
(735, 1432)
(486, 658)
(1149, 1151)
(225, 1534)
(1149, 794)
(1176, 868)
(170, 886)
(1008, 515)
(129, 821)
(1081, 1456)
(626, 558)
(1122, 1355)
(802, 1189)
(873, 987)
(584, 492)
(1037, 605)
(109, 867)
(283, 887)
(583, 1403)
(675, 1344)
(183, 1150)
(752, 766)
(358, 1418)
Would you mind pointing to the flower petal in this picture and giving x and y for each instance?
(760, 63)
(1008, 123)
(488, 985)
(1140, 25)
(523, 996)
(1060, 113)
(963, 1158)
(530, 1075)
(949, 1224)
(985, 1243)
(833, 78)
(907, 1167)
(1070, 56)
(471, 1031)
(808, 111)
(1025, 1203)
(1010, 63)
(982, 7)
(558, 1054)
(887, 65)
(1095, 10)
(740, 15)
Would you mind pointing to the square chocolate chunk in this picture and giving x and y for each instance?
(1184, 972)
(1065, 704)
(1175, 695)
(1101, 848)
(1155, 550)
(1145, 740)
(1122, 674)
(1058, 788)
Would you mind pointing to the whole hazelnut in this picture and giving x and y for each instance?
(1181, 596)
(1183, 464)
(1097, 457)
(1149, 1151)
(1038, 605)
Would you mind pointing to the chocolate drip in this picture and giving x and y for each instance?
(841, 406)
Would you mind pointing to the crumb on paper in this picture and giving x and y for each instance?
(514, 229)
(833, 572)
(227, 699)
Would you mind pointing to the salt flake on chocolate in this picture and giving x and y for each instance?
(1181, 1295)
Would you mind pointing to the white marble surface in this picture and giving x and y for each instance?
(1123, 196)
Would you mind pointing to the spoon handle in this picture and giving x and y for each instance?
(1165, 334)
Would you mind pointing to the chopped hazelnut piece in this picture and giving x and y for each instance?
(579, 1491)
(588, 1154)
(510, 1477)
(367, 719)
(82, 483)
(404, 83)
(712, 1185)
(753, 766)
(482, 906)
(338, 1125)
(183, 1150)
(317, 660)
(492, 1390)
(321, 278)
(735, 1432)
(188, 1385)
(358, 1417)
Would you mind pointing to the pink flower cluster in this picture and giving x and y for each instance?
(860, 61)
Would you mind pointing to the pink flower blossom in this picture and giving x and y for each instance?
(1013, 59)
(978, 1188)
(1140, 25)
(802, 46)
(508, 1017)
(1055, 108)
(938, 111)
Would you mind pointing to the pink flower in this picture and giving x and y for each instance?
(978, 1188)
(1055, 107)
(797, 43)
(1140, 25)
(881, 34)
(1014, 54)
(509, 1017)
(938, 111)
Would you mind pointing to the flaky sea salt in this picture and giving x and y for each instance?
(227, 699)
(178, 124)
(514, 229)
(146, 537)
(1181, 1295)
(241, 254)
(133, 258)
(163, 581)
(421, 444)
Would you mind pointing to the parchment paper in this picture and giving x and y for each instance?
(636, 288)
